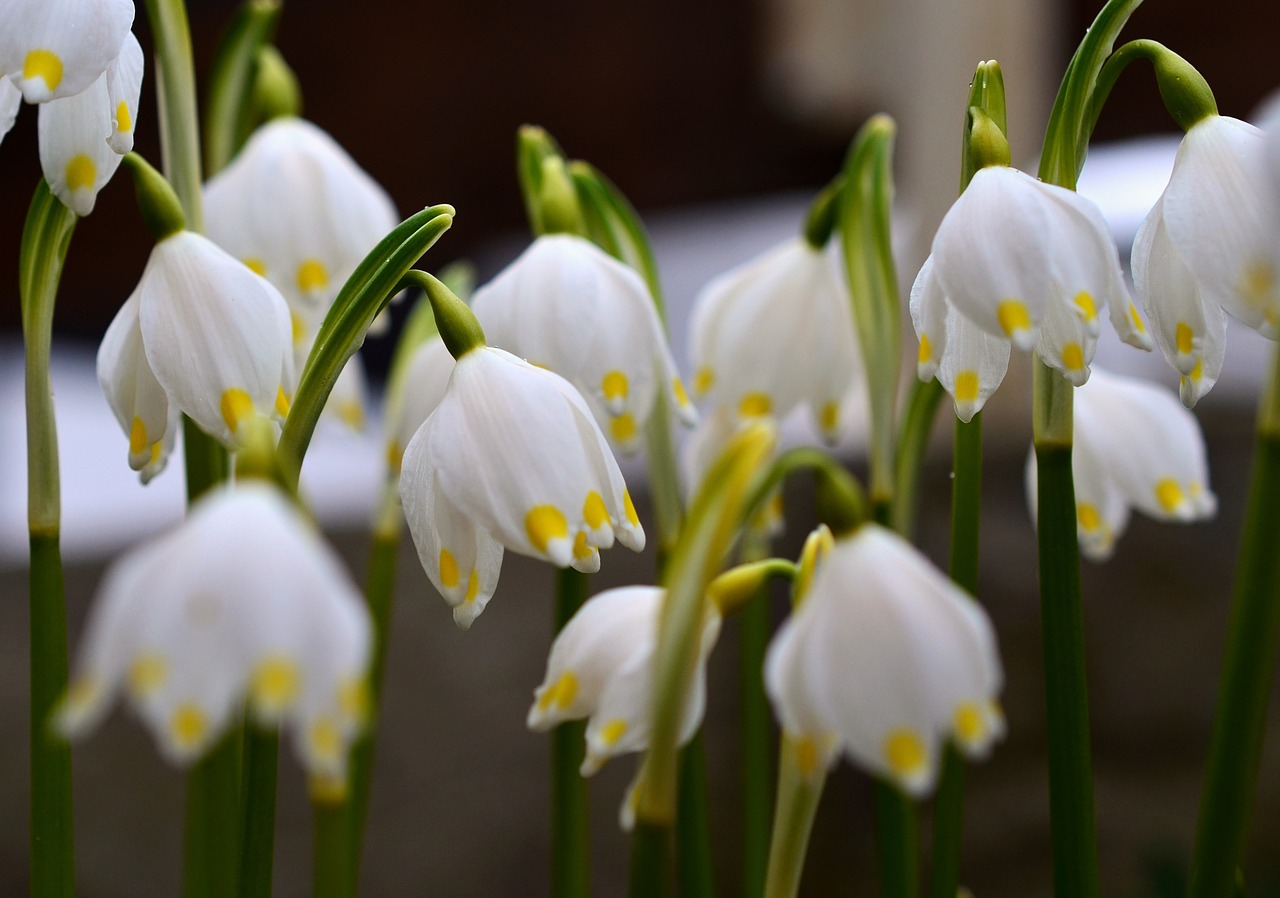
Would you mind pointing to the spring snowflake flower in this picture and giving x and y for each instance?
(189, 636)
(601, 668)
(777, 333)
(1134, 446)
(510, 457)
(426, 379)
(567, 305)
(1017, 261)
(884, 660)
(1208, 245)
(202, 335)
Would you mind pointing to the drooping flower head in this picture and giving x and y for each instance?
(567, 305)
(243, 603)
(884, 660)
(57, 48)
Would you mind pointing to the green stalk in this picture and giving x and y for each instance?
(333, 867)
(227, 118)
(257, 847)
(1248, 670)
(913, 443)
(211, 849)
(570, 821)
(756, 728)
(45, 240)
(176, 98)
(693, 823)
(798, 797)
(948, 825)
(896, 842)
(650, 860)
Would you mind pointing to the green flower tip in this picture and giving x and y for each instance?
(1184, 91)
(276, 91)
(561, 212)
(987, 143)
(157, 201)
(458, 326)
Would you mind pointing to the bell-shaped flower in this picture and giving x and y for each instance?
(601, 667)
(426, 379)
(296, 208)
(57, 48)
(510, 457)
(1027, 263)
(885, 659)
(10, 102)
(1207, 245)
(567, 305)
(242, 603)
(777, 333)
(215, 337)
(1135, 446)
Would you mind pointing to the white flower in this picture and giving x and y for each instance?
(57, 48)
(567, 305)
(510, 457)
(885, 659)
(426, 378)
(1134, 445)
(1023, 262)
(1209, 244)
(209, 333)
(776, 333)
(601, 667)
(243, 602)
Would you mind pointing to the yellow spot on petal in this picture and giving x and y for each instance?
(594, 511)
(702, 381)
(43, 64)
(124, 121)
(236, 407)
(1198, 371)
(276, 682)
(82, 693)
(137, 437)
(312, 275)
(755, 405)
(1073, 356)
(1183, 335)
(544, 523)
(1013, 316)
(926, 349)
(677, 387)
(395, 455)
(81, 172)
(829, 417)
(448, 569)
(614, 385)
(630, 509)
(1170, 495)
(806, 756)
(969, 723)
(282, 402)
(1088, 517)
(623, 428)
(473, 586)
(1259, 282)
(259, 267)
(559, 694)
(325, 739)
(904, 753)
(157, 448)
(188, 726)
(298, 330)
(147, 673)
(1138, 323)
(967, 386)
(612, 731)
(351, 413)
(581, 548)
(1088, 308)
(353, 698)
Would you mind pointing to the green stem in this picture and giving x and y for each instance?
(913, 444)
(693, 823)
(757, 728)
(257, 847)
(333, 867)
(1248, 670)
(45, 240)
(176, 98)
(650, 860)
(798, 797)
(948, 825)
(1075, 851)
(896, 842)
(212, 837)
(570, 822)
(228, 110)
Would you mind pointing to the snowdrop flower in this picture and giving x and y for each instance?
(601, 668)
(1208, 245)
(426, 378)
(777, 333)
(202, 335)
(510, 457)
(567, 305)
(242, 602)
(57, 48)
(884, 660)
(1135, 446)
(1020, 262)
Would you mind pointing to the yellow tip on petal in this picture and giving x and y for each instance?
(1088, 517)
(325, 740)
(926, 349)
(969, 723)
(147, 674)
(81, 173)
(1170, 495)
(448, 569)
(124, 121)
(473, 586)
(629, 509)
(1073, 356)
(594, 511)
(1013, 317)
(1259, 282)
(237, 405)
(623, 428)
(1138, 324)
(137, 437)
(581, 548)
(677, 387)
(275, 683)
(259, 267)
(353, 698)
(559, 694)
(612, 731)
(43, 64)
(1088, 308)
(967, 386)
(1198, 371)
(806, 756)
(312, 275)
(544, 523)
(703, 380)
(1183, 335)
(282, 402)
(755, 405)
(83, 692)
(905, 754)
(614, 385)
(188, 726)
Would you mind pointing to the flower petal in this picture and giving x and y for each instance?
(74, 154)
(57, 48)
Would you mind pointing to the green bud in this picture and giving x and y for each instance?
(458, 325)
(1186, 94)
(987, 143)
(821, 220)
(558, 200)
(276, 92)
(157, 201)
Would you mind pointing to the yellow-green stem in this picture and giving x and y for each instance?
(797, 804)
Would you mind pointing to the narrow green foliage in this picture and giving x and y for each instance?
(228, 118)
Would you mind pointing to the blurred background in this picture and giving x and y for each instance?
(719, 119)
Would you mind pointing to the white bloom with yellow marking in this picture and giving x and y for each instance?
(1135, 446)
(241, 603)
(10, 102)
(425, 380)
(885, 659)
(214, 335)
(1031, 264)
(514, 450)
(601, 668)
(1207, 245)
(777, 333)
(57, 48)
(567, 305)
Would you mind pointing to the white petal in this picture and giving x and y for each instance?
(10, 100)
(1066, 343)
(135, 396)
(425, 380)
(74, 153)
(57, 48)
(929, 317)
(347, 399)
(124, 86)
(973, 365)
